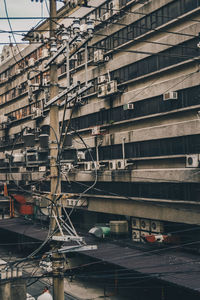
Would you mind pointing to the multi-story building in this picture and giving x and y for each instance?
(135, 131)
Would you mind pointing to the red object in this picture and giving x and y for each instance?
(19, 198)
(26, 209)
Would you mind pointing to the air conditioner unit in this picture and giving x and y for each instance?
(114, 7)
(128, 106)
(68, 166)
(42, 169)
(105, 16)
(136, 235)
(98, 56)
(111, 87)
(18, 71)
(192, 161)
(145, 224)
(31, 62)
(94, 165)
(170, 96)
(101, 79)
(83, 27)
(112, 165)
(121, 164)
(102, 91)
(96, 130)
(135, 223)
(45, 53)
(37, 112)
(157, 226)
(80, 155)
(87, 166)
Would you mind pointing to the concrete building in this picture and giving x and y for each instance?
(135, 132)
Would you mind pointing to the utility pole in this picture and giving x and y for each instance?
(57, 262)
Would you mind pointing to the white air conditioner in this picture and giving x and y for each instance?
(145, 224)
(18, 71)
(80, 155)
(157, 226)
(94, 165)
(136, 235)
(98, 56)
(96, 130)
(105, 16)
(31, 62)
(101, 79)
(111, 87)
(102, 91)
(112, 165)
(121, 164)
(192, 161)
(83, 27)
(135, 223)
(68, 166)
(42, 169)
(170, 96)
(128, 106)
(76, 202)
(37, 112)
(45, 53)
(87, 166)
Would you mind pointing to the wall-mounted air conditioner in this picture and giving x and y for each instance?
(105, 16)
(83, 27)
(45, 53)
(192, 161)
(145, 224)
(98, 56)
(112, 165)
(135, 223)
(37, 112)
(42, 169)
(31, 62)
(87, 166)
(136, 235)
(101, 79)
(121, 164)
(18, 71)
(96, 130)
(102, 91)
(128, 106)
(111, 87)
(94, 165)
(170, 96)
(76, 202)
(157, 226)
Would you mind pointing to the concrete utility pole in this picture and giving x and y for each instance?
(57, 262)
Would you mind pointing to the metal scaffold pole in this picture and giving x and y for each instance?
(57, 262)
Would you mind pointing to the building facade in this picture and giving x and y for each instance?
(135, 130)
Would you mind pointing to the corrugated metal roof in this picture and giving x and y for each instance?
(175, 267)
(170, 265)
(24, 227)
